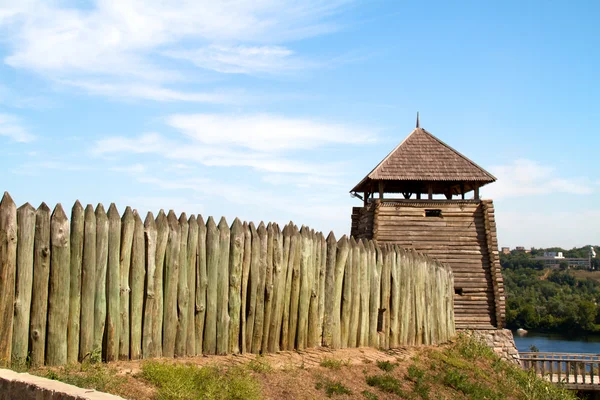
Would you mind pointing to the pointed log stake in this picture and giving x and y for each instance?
(252, 285)
(201, 286)
(183, 291)
(192, 248)
(24, 279)
(313, 311)
(328, 310)
(58, 292)
(236, 256)
(295, 290)
(365, 294)
(170, 285)
(278, 283)
(76, 263)
(150, 295)
(101, 265)
(268, 288)
(223, 288)
(343, 248)
(374, 295)
(137, 276)
(112, 283)
(322, 265)
(394, 300)
(212, 268)
(259, 316)
(305, 285)
(41, 276)
(289, 255)
(127, 227)
(348, 293)
(247, 256)
(8, 271)
(88, 284)
(162, 236)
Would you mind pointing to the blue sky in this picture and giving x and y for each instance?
(268, 110)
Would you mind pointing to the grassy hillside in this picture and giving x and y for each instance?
(464, 369)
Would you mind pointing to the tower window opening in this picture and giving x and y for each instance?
(433, 213)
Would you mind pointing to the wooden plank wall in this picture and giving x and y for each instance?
(111, 285)
(464, 238)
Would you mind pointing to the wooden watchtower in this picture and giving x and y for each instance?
(425, 195)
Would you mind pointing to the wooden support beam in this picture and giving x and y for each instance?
(366, 194)
(430, 191)
(381, 184)
(476, 193)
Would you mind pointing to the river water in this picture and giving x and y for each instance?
(549, 342)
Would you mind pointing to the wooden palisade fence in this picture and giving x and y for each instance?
(102, 283)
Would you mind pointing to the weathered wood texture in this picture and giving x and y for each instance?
(463, 237)
(111, 286)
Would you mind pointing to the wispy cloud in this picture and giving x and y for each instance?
(262, 142)
(11, 127)
(526, 177)
(111, 40)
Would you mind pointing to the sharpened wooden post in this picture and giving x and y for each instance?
(247, 257)
(170, 285)
(76, 265)
(295, 291)
(24, 282)
(138, 262)
(322, 265)
(365, 295)
(8, 272)
(151, 235)
(201, 286)
(127, 227)
(343, 247)
(58, 290)
(192, 249)
(313, 309)
(252, 286)
(236, 256)
(305, 285)
(183, 291)
(112, 283)
(162, 237)
(278, 288)
(288, 259)
(394, 299)
(259, 309)
(88, 284)
(101, 264)
(223, 288)
(41, 276)
(329, 306)
(347, 297)
(374, 295)
(212, 268)
(268, 288)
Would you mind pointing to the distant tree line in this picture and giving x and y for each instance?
(550, 300)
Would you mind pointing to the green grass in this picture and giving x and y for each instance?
(87, 375)
(260, 365)
(386, 366)
(188, 382)
(334, 364)
(332, 387)
(369, 396)
(388, 384)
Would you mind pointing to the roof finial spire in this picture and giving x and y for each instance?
(418, 124)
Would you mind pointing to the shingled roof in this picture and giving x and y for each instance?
(423, 157)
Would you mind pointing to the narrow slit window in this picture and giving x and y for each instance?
(458, 291)
(433, 213)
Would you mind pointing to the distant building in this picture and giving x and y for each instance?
(506, 250)
(550, 260)
(522, 249)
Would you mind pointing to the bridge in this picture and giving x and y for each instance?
(573, 371)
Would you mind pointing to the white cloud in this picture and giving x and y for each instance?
(138, 40)
(526, 177)
(264, 132)
(242, 59)
(11, 127)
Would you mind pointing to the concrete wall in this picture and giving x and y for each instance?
(17, 386)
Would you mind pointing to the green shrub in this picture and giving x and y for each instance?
(385, 366)
(332, 387)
